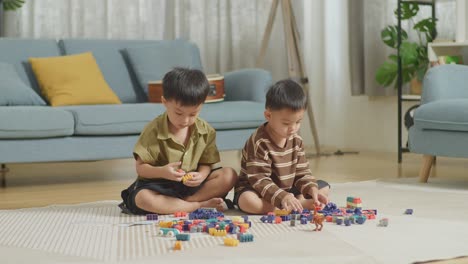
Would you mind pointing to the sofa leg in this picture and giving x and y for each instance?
(3, 172)
(428, 160)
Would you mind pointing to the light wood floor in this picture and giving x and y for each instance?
(32, 185)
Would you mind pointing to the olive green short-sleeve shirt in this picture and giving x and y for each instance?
(158, 148)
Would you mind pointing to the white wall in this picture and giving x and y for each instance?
(462, 20)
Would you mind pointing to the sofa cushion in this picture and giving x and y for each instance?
(152, 62)
(443, 115)
(22, 122)
(17, 52)
(13, 90)
(107, 120)
(113, 62)
(234, 114)
(72, 80)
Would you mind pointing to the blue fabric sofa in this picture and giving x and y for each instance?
(41, 133)
(441, 122)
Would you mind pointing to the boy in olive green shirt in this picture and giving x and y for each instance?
(175, 143)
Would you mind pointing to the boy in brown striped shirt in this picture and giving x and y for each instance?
(274, 170)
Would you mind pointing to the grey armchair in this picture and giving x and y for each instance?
(441, 122)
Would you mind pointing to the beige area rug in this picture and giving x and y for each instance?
(92, 233)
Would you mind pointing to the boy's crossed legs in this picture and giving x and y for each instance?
(250, 202)
(216, 185)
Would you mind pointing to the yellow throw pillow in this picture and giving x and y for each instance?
(72, 80)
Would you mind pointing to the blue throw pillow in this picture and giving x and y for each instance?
(150, 63)
(13, 91)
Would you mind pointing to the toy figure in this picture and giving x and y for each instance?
(318, 220)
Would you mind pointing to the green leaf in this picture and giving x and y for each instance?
(408, 10)
(386, 73)
(428, 27)
(389, 36)
(409, 52)
(9, 5)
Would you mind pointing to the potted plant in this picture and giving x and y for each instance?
(414, 59)
(7, 5)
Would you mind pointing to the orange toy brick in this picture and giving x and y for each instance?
(278, 220)
(178, 245)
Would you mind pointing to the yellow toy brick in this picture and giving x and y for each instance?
(231, 242)
(281, 212)
(187, 177)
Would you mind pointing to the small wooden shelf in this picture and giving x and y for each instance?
(436, 49)
(411, 97)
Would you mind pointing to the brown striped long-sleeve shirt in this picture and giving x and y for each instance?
(271, 170)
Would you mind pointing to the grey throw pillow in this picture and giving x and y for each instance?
(13, 91)
(150, 63)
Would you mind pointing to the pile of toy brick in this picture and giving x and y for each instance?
(352, 214)
(205, 220)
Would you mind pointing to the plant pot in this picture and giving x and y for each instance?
(415, 86)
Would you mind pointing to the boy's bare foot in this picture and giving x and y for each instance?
(217, 203)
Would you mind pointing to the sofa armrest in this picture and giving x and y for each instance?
(445, 82)
(247, 85)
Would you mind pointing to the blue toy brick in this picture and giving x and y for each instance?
(303, 220)
(339, 220)
(306, 211)
(285, 217)
(409, 211)
(264, 218)
(347, 222)
(309, 217)
(250, 223)
(246, 218)
(271, 217)
(357, 211)
(361, 219)
(183, 237)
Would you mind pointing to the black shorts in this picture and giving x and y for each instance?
(321, 184)
(161, 186)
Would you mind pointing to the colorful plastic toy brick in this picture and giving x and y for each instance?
(347, 221)
(214, 232)
(183, 237)
(281, 212)
(238, 219)
(178, 245)
(169, 232)
(383, 222)
(231, 242)
(151, 217)
(186, 178)
(353, 202)
(180, 214)
(339, 220)
(409, 211)
(245, 237)
(278, 220)
(360, 219)
(293, 222)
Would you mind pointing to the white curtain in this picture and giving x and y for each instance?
(228, 32)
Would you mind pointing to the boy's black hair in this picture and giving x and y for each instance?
(188, 87)
(286, 94)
